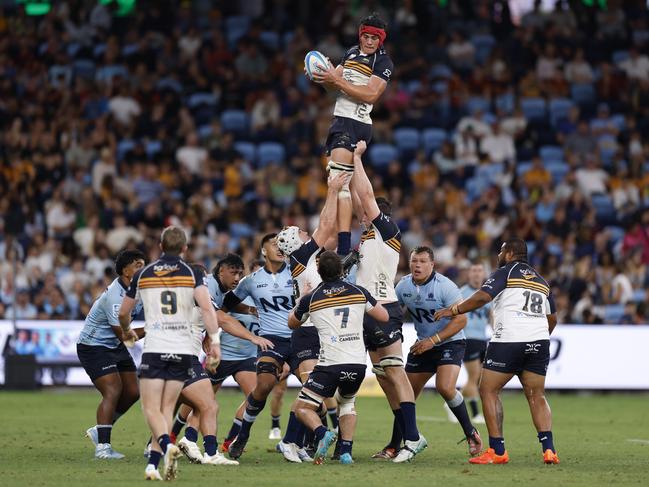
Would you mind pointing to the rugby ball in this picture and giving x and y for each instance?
(315, 61)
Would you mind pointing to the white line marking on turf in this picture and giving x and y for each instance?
(635, 440)
(432, 418)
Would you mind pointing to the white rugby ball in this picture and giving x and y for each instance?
(315, 61)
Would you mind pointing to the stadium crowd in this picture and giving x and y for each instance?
(199, 115)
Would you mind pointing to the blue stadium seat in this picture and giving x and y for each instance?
(72, 49)
(432, 139)
(551, 153)
(130, 49)
(107, 73)
(235, 121)
(558, 170)
(506, 102)
(270, 152)
(382, 154)
(406, 139)
(270, 39)
(639, 295)
(441, 71)
(204, 131)
(123, 147)
(476, 103)
(616, 233)
(236, 27)
(533, 108)
(483, 44)
(582, 93)
(152, 148)
(198, 99)
(84, 68)
(620, 121)
(613, 313)
(169, 84)
(619, 56)
(604, 209)
(522, 167)
(248, 151)
(559, 109)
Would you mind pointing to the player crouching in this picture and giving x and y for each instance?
(336, 308)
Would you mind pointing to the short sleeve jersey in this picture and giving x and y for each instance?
(379, 258)
(521, 302)
(478, 319)
(423, 300)
(273, 296)
(304, 269)
(358, 68)
(336, 309)
(166, 288)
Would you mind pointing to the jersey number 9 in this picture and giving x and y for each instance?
(168, 302)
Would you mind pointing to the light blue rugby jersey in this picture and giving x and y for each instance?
(478, 320)
(234, 348)
(423, 301)
(273, 297)
(104, 313)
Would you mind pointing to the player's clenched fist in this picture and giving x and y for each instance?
(361, 146)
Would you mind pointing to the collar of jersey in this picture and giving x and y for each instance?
(432, 276)
(124, 287)
(223, 290)
(278, 271)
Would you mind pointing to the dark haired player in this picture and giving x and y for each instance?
(336, 309)
(524, 317)
(360, 78)
(440, 344)
(104, 357)
(271, 289)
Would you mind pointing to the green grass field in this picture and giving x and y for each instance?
(601, 440)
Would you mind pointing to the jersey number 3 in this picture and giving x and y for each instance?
(168, 302)
(536, 305)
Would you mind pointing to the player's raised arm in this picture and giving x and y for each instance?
(477, 300)
(327, 225)
(362, 185)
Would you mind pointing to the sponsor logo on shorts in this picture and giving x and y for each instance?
(144, 366)
(112, 366)
(532, 348)
(315, 384)
(191, 373)
(170, 357)
(496, 364)
(348, 376)
(304, 353)
(446, 354)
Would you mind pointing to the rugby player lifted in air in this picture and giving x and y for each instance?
(524, 317)
(360, 79)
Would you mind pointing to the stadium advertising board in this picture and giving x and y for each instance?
(582, 357)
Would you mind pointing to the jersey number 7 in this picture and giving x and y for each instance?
(345, 313)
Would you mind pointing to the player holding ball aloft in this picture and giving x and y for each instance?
(360, 79)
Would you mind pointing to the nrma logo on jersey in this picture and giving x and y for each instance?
(161, 270)
(528, 274)
(278, 303)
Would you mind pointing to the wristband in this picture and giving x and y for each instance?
(439, 340)
(216, 337)
(455, 310)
